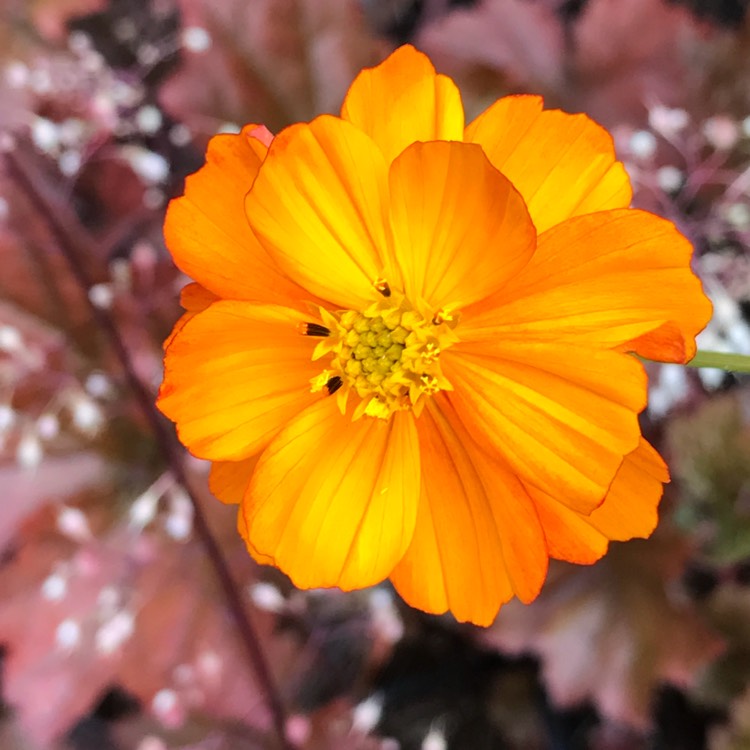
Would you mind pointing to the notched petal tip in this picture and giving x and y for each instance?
(318, 207)
(402, 101)
(563, 164)
(207, 232)
(260, 133)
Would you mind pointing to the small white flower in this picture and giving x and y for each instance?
(29, 452)
(114, 632)
(153, 198)
(16, 74)
(151, 167)
(196, 39)
(643, 144)
(10, 339)
(267, 597)
(7, 417)
(721, 132)
(152, 742)
(738, 215)
(108, 601)
(670, 178)
(667, 121)
(366, 714)
(48, 426)
(148, 119)
(69, 162)
(101, 296)
(435, 740)
(179, 521)
(164, 702)
(72, 522)
(45, 135)
(180, 135)
(68, 635)
(87, 415)
(228, 127)
(98, 385)
(55, 587)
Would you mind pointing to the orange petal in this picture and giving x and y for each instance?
(569, 535)
(615, 279)
(195, 297)
(207, 232)
(259, 557)
(319, 208)
(630, 508)
(460, 228)
(334, 502)
(478, 538)
(562, 416)
(229, 480)
(564, 165)
(402, 101)
(234, 375)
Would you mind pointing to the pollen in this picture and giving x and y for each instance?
(387, 355)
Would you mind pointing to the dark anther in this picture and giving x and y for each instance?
(382, 286)
(334, 384)
(313, 329)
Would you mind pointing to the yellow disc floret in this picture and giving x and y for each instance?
(388, 355)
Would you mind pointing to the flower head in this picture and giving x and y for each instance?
(409, 350)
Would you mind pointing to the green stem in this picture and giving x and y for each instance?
(722, 361)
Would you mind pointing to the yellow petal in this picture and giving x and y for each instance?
(564, 165)
(562, 416)
(319, 208)
(402, 101)
(478, 538)
(334, 502)
(229, 480)
(460, 228)
(207, 232)
(234, 375)
(615, 279)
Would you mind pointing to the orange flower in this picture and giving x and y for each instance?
(409, 349)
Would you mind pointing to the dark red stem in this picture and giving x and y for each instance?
(70, 236)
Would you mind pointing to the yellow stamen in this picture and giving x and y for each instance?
(388, 355)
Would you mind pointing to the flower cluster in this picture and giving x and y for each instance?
(409, 350)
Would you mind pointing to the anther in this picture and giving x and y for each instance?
(442, 316)
(334, 384)
(313, 329)
(382, 286)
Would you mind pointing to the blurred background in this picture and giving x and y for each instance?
(115, 632)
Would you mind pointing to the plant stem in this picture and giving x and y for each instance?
(72, 239)
(722, 361)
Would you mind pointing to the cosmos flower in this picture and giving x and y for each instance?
(409, 350)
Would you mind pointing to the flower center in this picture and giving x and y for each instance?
(388, 354)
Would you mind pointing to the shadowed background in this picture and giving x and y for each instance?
(115, 631)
